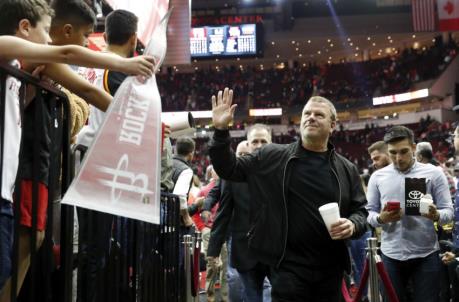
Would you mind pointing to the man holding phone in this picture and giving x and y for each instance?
(409, 244)
(393, 206)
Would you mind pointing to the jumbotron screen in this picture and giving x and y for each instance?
(226, 40)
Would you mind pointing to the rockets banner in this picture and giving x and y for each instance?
(121, 171)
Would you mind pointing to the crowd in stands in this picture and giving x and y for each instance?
(353, 143)
(347, 84)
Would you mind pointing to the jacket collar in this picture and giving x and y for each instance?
(181, 158)
(299, 146)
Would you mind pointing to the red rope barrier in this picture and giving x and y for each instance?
(363, 282)
(386, 281)
(195, 281)
(345, 292)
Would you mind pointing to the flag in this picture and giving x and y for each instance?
(448, 15)
(423, 14)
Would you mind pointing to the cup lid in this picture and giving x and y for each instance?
(329, 206)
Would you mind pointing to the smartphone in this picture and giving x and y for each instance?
(393, 205)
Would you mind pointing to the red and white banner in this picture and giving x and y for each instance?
(448, 15)
(121, 171)
(148, 12)
(151, 12)
(423, 14)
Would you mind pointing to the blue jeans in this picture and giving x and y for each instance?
(236, 291)
(256, 285)
(235, 288)
(6, 240)
(424, 273)
(358, 255)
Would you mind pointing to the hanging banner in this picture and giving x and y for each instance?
(179, 24)
(121, 171)
(149, 13)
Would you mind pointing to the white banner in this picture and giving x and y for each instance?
(149, 13)
(121, 171)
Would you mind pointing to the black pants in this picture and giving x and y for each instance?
(290, 286)
(94, 245)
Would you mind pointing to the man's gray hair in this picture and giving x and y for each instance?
(423, 146)
(424, 149)
(320, 99)
(259, 127)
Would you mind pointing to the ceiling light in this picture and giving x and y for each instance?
(309, 41)
(374, 44)
(369, 38)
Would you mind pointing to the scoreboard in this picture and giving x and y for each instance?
(226, 40)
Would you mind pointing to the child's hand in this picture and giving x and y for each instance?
(141, 65)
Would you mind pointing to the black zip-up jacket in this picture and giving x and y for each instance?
(267, 172)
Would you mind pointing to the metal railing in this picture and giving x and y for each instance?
(135, 261)
(45, 123)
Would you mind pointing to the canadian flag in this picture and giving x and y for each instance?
(448, 15)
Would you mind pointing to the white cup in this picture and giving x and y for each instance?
(330, 213)
(424, 203)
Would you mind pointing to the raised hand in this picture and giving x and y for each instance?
(140, 65)
(222, 109)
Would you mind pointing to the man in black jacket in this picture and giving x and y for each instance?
(290, 182)
(233, 219)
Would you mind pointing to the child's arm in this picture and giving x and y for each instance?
(16, 48)
(63, 75)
